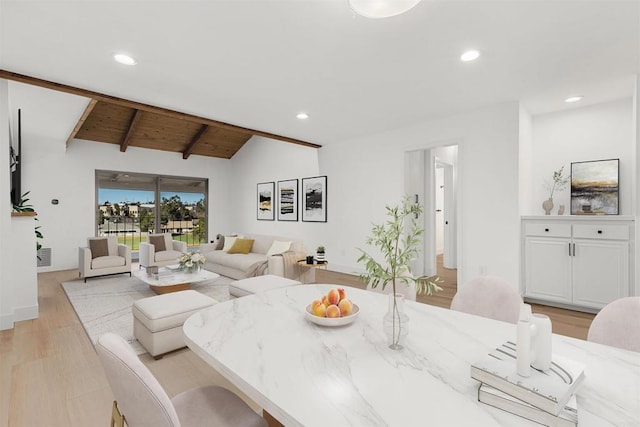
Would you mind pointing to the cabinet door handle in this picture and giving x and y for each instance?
(569, 249)
(574, 249)
(599, 231)
(546, 229)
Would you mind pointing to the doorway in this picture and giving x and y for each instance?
(431, 177)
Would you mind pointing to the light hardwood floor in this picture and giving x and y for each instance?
(50, 374)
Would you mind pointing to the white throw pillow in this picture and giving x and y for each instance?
(168, 242)
(229, 241)
(278, 247)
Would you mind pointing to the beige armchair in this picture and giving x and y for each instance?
(103, 256)
(160, 250)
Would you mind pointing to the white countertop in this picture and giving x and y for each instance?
(580, 217)
(308, 375)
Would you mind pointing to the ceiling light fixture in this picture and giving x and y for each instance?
(381, 8)
(124, 59)
(302, 116)
(470, 55)
(573, 98)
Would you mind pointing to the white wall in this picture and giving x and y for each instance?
(527, 204)
(636, 174)
(6, 300)
(602, 131)
(267, 160)
(52, 172)
(18, 281)
(67, 225)
(369, 173)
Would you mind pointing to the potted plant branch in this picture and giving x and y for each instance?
(558, 183)
(22, 206)
(398, 241)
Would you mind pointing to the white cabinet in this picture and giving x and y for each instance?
(583, 263)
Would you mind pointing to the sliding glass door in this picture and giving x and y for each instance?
(183, 210)
(131, 205)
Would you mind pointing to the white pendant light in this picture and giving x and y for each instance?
(381, 8)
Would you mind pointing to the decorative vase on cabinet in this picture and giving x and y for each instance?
(547, 205)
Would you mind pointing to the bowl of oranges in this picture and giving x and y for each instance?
(334, 309)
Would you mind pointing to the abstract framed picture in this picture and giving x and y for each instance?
(266, 201)
(595, 187)
(288, 200)
(314, 199)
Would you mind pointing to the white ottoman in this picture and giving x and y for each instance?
(254, 285)
(157, 321)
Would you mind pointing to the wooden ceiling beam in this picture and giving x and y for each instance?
(132, 125)
(83, 119)
(21, 78)
(196, 138)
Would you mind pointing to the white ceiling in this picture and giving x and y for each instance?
(256, 63)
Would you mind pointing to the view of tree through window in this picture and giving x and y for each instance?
(127, 207)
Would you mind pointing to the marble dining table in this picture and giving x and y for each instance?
(304, 374)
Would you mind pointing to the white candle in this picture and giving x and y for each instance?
(541, 342)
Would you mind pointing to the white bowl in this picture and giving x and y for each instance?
(332, 321)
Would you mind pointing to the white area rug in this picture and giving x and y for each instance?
(104, 304)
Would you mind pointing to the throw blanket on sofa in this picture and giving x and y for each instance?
(291, 269)
(257, 269)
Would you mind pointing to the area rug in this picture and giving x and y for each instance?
(104, 304)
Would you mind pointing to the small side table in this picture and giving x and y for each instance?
(303, 263)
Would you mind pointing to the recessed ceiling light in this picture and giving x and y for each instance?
(124, 59)
(573, 98)
(469, 55)
(302, 116)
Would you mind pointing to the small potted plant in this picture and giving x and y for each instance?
(398, 241)
(23, 206)
(320, 255)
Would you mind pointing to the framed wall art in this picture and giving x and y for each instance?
(266, 201)
(288, 200)
(595, 187)
(314, 199)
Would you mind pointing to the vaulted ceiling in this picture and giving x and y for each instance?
(133, 124)
(127, 126)
(254, 64)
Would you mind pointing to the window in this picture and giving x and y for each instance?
(127, 207)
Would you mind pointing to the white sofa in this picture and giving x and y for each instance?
(151, 257)
(256, 262)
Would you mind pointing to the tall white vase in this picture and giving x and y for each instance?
(396, 322)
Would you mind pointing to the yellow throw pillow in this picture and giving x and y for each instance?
(241, 246)
(229, 241)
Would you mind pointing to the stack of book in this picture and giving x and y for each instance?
(546, 397)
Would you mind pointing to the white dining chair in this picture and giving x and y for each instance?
(142, 402)
(489, 296)
(618, 324)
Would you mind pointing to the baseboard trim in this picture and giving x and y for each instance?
(562, 305)
(19, 314)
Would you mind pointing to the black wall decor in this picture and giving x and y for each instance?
(15, 165)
